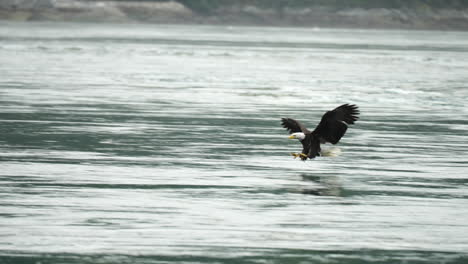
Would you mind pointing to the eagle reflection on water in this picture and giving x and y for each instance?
(329, 185)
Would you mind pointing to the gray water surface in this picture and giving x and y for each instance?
(123, 143)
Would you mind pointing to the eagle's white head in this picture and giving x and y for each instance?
(297, 135)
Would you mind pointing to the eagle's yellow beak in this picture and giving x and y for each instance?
(291, 137)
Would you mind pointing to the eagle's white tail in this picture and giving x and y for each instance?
(331, 152)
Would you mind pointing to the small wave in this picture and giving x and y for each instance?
(73, 49)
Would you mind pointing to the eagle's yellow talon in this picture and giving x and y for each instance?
(299, 155)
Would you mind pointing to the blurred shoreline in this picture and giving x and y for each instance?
(172, 12)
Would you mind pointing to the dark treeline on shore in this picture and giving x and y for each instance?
(388, 14)
(208, 6)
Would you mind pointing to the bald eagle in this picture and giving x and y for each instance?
(331, 128)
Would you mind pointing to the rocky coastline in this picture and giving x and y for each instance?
(174, 12)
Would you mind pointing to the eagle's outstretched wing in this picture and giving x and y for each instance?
(335, 123)
(293, 126)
